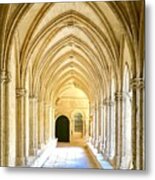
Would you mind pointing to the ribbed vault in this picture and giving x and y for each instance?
(55, 47)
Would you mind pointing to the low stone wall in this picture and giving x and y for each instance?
(43, 154)
(98, 158)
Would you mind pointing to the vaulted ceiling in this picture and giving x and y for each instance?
(65, 44)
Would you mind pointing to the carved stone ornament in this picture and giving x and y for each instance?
(119, 96)
(137, 83)
(20, 92)
(33, 98)
(108, 102)
(5, 76)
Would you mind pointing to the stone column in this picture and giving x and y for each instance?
(104, 128)
(4, 118)
(112, 139)
(108, 105)
(119, 116)
(20, 126)
(53, 122)
(101, 128)
(33, 122)
(40, 125)
(93, 125)
(50, 122)
(137, 87)
(47, 120)
(96, 127)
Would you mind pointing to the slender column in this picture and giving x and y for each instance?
(104, 128)
(40, 125)
(109, 127)
(86, 128)
(90, 126)
(99, 126)
(53, 122)
(119, 116)
(96, 127)
(47, 120)
(101, 140)
(33, 146)
(50, 122)
(93, 125)
(112, 139)
(90, 122)
(20, 126)
(137, 87)
(108, 105)
(4, 118)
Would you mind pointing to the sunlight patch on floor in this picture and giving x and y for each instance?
(68, 156)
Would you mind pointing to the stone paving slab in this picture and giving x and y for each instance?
(69, 156)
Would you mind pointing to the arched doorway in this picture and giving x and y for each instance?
(62, 129)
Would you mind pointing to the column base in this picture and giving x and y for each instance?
(32, 152)
(4, 162)
(96, 144)
(20, 161)
(126, 162)
(100, 147)
(112, 161)
(117, 162)
(93, 141)
(39, 146)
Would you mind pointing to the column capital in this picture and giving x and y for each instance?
(137, 83)
(5, 76)
(20, 92)
(119, 96)
(108, 102)
(47, 104)
(33, 98)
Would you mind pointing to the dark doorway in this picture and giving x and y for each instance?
(62, 129)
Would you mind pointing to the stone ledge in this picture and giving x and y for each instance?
(42, 155)
(98, 158)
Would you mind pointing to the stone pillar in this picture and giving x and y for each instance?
(112, 127)
(20, 126)
(101, 139)
(40, 124)
(33, 122)
(50, 122)
(119, 116)
(108, 105)
(137, 87)
(96, 127)
(4, 118)
(93, 125)
(47, 120)
(53, 122)
(105, 125)
(105, 128)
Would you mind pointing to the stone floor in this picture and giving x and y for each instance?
(70, 155)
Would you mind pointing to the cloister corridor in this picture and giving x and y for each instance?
(72, 85)
(70, 156)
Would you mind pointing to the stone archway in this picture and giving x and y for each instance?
(62, 129)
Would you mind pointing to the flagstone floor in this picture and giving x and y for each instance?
(70, 155)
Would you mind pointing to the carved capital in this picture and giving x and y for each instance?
(5, 76)
(47, 105)
(119, 96)
(108, 102)
(33, 98)
(137, 83)
(101, 106)
(20, 92)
